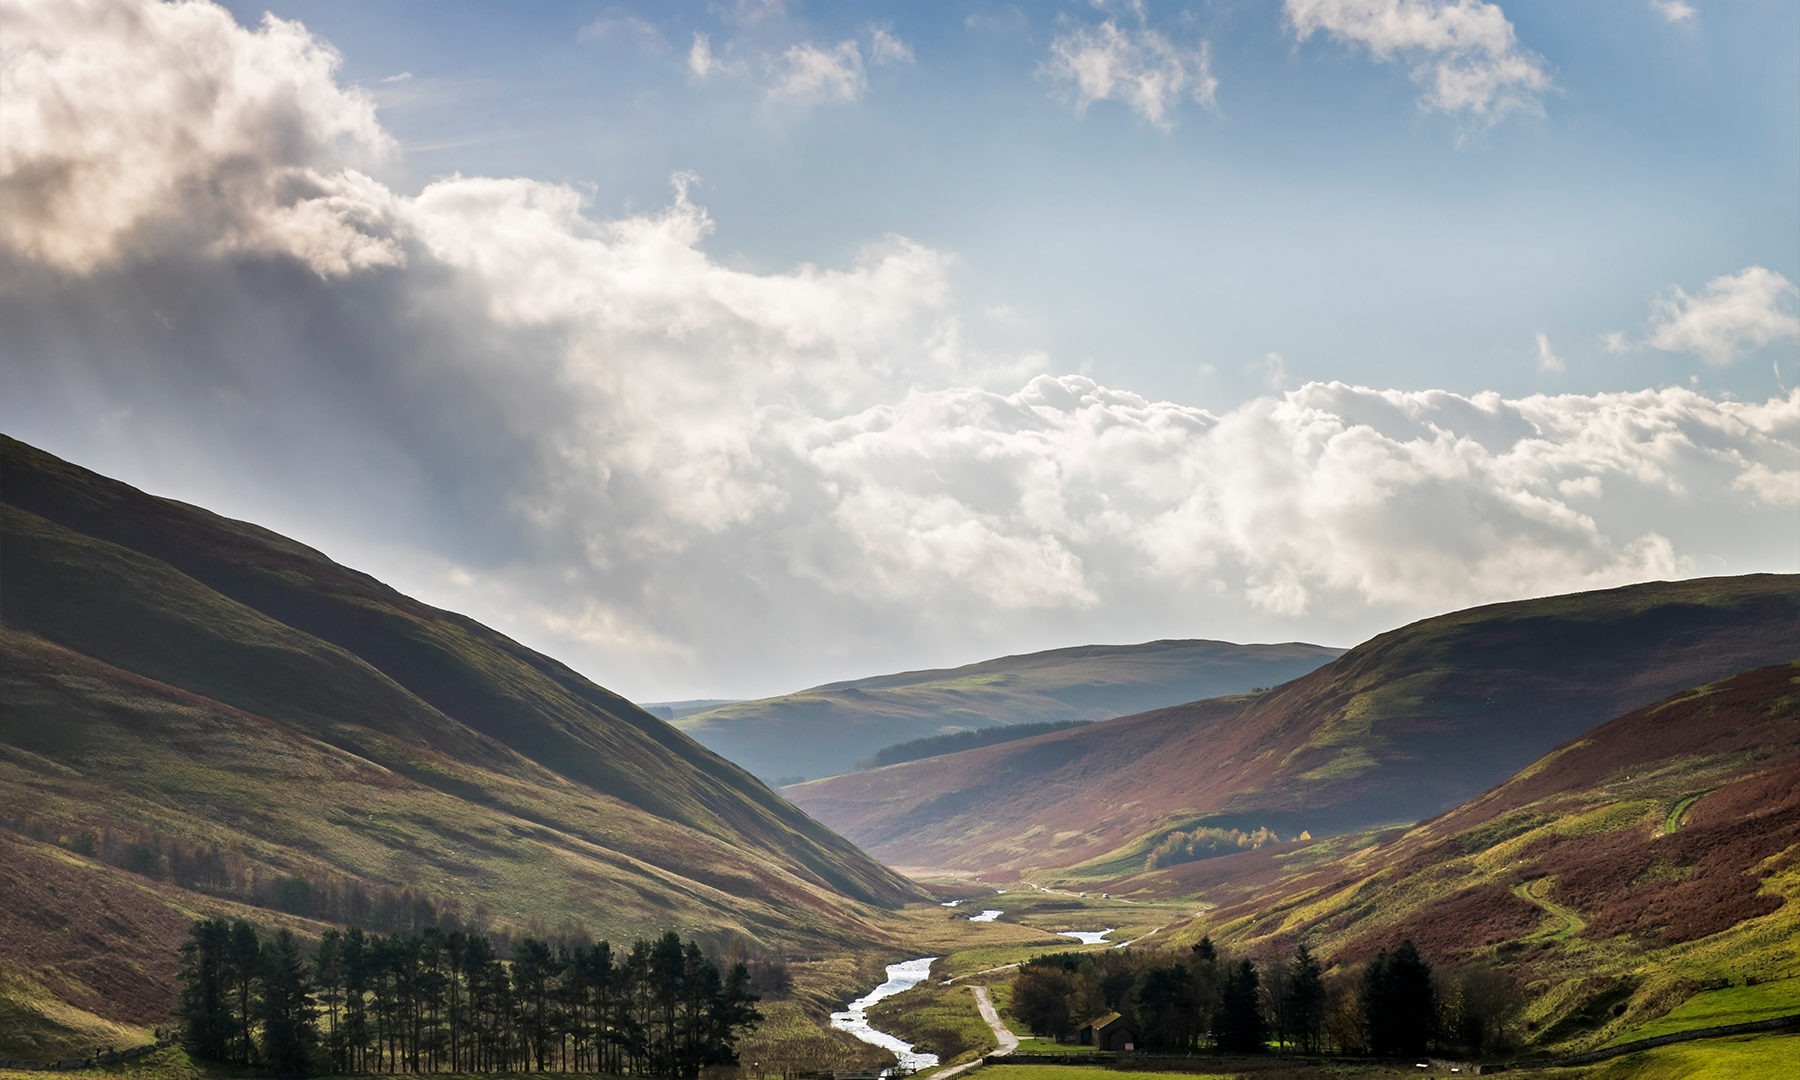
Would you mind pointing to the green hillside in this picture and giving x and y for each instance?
(1404, 726)
(1641, 879)
(202, 715)
(828, 729)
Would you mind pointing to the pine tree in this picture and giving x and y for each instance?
(285, 1008)
(1306, 995)
(1241, 1026)
(204, 1010)
(243, 962)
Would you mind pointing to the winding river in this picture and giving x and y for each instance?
(855, 1020)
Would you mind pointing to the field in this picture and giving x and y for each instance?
(937, 1019)
(1729, 1005)
(1765, 1057)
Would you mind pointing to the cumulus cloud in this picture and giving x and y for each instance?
(1138, 67)
(886, 48)
(807, 74)
(197, 123)
(595, 433)
(1464, 53)
(1734, 314)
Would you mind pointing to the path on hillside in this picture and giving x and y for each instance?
(1537, 890)
(1003, 1036)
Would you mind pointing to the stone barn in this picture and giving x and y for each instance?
(1109, 1032)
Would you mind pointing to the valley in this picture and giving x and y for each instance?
(1580, 810)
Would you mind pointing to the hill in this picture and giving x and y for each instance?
(828, 729)
(202, 715)
(1652, 860)
(1403, 726)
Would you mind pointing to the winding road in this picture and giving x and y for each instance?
(1003, 1036)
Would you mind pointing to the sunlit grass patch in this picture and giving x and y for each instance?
(1730, 1005)
(1757, 1057)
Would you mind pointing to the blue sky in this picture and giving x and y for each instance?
(721, 349)
(1317, 210)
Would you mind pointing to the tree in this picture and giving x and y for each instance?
(1041, 999)
(285, 1007)
(1475, 1008)
(1398, 1002)
(533, 969)
(204, 1009)
(1241, 1027)
(1306, 999)
(243, 962)
(1164, 1002)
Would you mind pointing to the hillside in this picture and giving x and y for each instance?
(1652, 857)
(235, 720)
(1403, 726)
(828, 729)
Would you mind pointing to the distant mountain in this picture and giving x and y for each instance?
(828, 729)
(201, 715)
(1402, 727)
(677, 710)
(1644, 860)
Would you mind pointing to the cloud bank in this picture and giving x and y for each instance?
(596, 434)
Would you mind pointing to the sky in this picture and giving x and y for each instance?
(722, 349)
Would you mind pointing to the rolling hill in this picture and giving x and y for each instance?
(828, 729)
(1403, 726)
(201, 715)
(1652, 857)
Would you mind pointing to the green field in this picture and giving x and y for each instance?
(937, 1019)
(1731, 1005)
(1755, 1057)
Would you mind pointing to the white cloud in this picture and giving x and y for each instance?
(807, 74)
(1464, 53)
(1547, 360)
(1673, 10)
(885, 48)
(120, 115)
(1734, 314)
(700, 58)
(1138, 67)
(595, 433)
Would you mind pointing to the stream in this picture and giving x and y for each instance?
(1086, 937)
(855, 1019)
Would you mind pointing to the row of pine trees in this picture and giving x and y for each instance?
(447, 1002)
(1393, 1006)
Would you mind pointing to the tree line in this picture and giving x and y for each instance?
(1395, 1005)
(447, 1002)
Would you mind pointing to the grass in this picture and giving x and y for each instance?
(1084, 1072)
(1678, 812)
(1730, 1005)
(1759, 1057)
(937, 1019)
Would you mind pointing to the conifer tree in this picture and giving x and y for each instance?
(1241, 1026)
(204, 1010)
(285, 1007)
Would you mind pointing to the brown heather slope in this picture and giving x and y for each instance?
(239, 719)
(1401, 727)
(1654, 855)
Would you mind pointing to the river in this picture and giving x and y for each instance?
(855, 1020)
